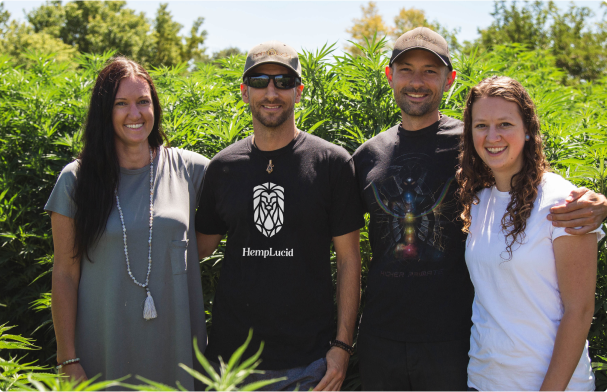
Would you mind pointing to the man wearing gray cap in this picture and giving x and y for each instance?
(415, 329)
(282, 196)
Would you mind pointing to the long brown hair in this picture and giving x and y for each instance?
(98, 172)
(474, 175)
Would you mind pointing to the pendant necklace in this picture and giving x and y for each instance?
(270, 167)
(149, 310)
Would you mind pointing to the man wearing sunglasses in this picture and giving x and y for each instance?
(282, 196)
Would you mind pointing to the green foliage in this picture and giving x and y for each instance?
(168, 46)
(4, 17)
(13, 373)
(577, 45)
(42, 109)
(94, 26)
(227, 52)
(230, 377)
(371, 23)
(232, 374)
(346, 100)
(98, 27)
(527, 25)
(29, 377)
(17, 39)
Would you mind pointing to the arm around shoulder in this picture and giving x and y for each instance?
(583, 211)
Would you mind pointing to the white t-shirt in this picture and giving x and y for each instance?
(517, 305)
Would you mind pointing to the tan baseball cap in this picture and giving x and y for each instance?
(423, 38)
(274, 52)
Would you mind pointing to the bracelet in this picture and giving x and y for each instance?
(68, 362)
(338, 343)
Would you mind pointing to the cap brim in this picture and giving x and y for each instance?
(448, 64)
(270, 62)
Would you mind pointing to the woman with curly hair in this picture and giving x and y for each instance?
(127, 296)
(534, 283)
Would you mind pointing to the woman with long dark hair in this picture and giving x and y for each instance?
(127, 296)
(534, 284)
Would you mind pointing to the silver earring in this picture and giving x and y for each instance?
(527, 138)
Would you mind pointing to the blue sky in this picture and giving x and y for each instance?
(302, 24)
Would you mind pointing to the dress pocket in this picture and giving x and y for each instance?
(179, 256)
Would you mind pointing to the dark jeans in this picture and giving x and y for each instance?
(388, 365)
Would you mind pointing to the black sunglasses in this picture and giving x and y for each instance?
(281, 82)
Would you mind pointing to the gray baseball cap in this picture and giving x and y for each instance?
(423, 38)
(274, 52)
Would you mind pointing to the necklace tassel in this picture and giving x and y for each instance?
(149, 310)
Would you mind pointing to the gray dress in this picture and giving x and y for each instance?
(112, 337)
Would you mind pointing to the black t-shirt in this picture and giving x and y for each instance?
(418, 287)
(276, 275)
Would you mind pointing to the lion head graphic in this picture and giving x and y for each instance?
(268, 207)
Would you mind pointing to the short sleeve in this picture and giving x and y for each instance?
(560, 231)
(555, 191)
(359, 159)
(347, 211)
(208, 220)
(61, 199)
(197, 165)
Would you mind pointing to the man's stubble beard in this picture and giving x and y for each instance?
(268, 121)
(418, 110)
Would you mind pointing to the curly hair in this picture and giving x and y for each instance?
(473, 174)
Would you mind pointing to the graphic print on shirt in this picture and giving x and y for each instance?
(268, 208)
(410, 210)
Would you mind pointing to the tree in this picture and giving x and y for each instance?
(227, 52)
(372, 23)
(19, 39)
(4, 17)
(408, 19)
(99, 26)
(193, 49)
(577, 44)
(368, 25)
(579, 51)
(169, 47)
(527, 25)
(95, 26)
(48, 18)
(167, 42)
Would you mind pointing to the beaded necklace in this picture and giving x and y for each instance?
(149, 310)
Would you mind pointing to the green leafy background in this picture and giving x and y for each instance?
(346, 101)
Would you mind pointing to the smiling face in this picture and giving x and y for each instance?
(270, 106)
(133, 112)
(419, 79)
(498, 134)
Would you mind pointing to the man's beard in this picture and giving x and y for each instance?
(417, 110)
(271, 121)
